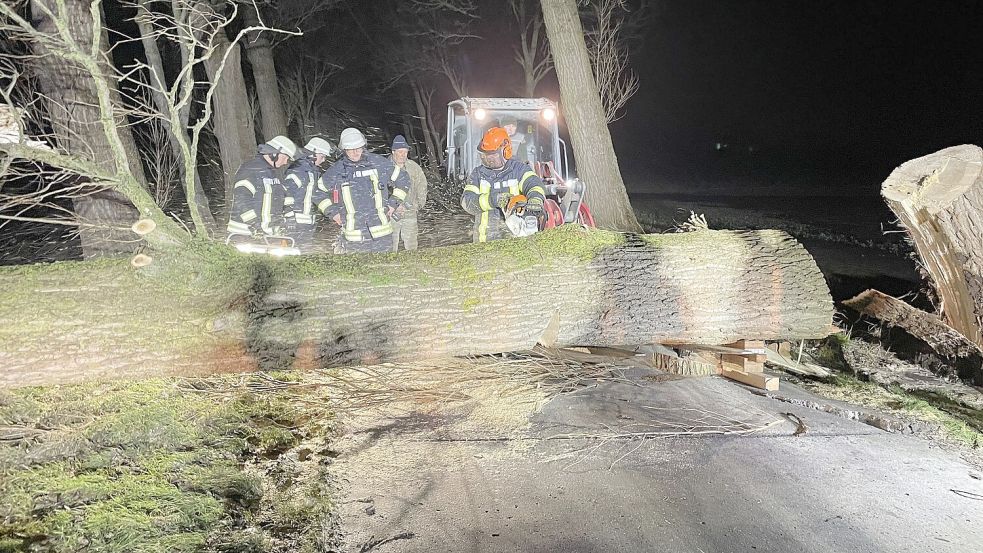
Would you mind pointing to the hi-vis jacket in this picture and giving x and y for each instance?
(484, 194)
(417, 197)
(305, 192)
(257, 199)
(363, 195)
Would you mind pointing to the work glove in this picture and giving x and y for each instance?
(501, 201)
(398, 213)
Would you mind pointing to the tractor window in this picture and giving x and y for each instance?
(545, 144)
(532, 136)
(463, 155)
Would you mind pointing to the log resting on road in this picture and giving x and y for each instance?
(211, 309)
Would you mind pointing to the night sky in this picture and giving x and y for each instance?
(810, 97)
(830, 95)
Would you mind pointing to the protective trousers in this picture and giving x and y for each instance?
(407, 230)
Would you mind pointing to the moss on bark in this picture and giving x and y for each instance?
(208, 308)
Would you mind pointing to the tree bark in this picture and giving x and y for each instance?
(597, 163)
(939, 200)
(232, 115)
(74, 110)
(259, 51)
(217, 310)
(956, 352)
(158, 82)
(425, 124)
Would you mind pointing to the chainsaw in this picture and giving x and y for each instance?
(517, 219)
(276, 246)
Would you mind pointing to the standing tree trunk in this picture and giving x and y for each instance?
(158, 83)
(939, 199)
(73, 106)
(597, 164)
(232, 116)
(239, 313)
(432, 144)
(259, 51)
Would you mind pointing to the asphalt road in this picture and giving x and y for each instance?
(581, 478)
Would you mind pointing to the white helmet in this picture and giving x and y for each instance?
(318, 146)
(282, 145)
(351, 139)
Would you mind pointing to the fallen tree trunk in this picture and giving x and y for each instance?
(955, 350)
(939, 199)
(213, 309)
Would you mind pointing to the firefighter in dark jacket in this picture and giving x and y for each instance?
(359, 200)
(257, 195)
(494, 182)
(304, 191)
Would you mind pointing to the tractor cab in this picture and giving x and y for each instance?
(535, 141)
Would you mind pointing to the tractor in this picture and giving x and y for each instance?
(540, 146)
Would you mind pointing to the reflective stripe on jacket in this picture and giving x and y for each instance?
(304, 191)
(363, 195)
(257, 199)
(417, 196)
(484, 193)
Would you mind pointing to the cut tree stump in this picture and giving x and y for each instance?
(213, 309)
(939, 200)
(955, 349)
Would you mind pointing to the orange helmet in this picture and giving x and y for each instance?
(496, 138)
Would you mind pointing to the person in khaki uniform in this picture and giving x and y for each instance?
(406, 227)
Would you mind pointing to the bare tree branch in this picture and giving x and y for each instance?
(609, 27)
(532, 53)
(136, 94)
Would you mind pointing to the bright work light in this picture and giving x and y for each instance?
(479, 114)
(549, 114)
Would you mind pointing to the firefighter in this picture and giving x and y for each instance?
(405, 226)
(494, 182)
(364, 207)
(522, 147)
(257, 195)
(304, 190)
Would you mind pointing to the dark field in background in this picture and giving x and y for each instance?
(853, 239)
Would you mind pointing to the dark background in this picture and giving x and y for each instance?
(830, 96)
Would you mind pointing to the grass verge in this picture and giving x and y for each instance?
(157, 466)
(929, 416)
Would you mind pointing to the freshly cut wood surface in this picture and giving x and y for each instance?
(939, 199)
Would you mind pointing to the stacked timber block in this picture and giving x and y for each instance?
(748, 365)
(743, 361)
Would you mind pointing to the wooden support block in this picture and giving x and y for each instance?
(748, 344)
(743, 359)
(745, 366)
(758, 380)
(719, 349)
